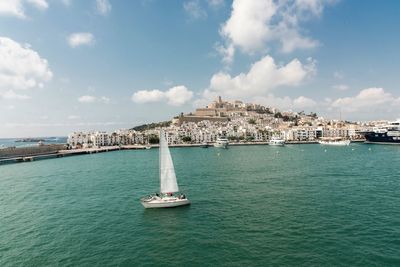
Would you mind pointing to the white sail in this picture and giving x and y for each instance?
(168, 183)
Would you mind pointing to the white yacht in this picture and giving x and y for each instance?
(168, 184)
(276, 141)
(334, 142)
(222, 142)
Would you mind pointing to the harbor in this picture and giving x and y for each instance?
(299, 205)
(61, 152)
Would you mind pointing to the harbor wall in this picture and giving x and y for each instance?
(12, 152)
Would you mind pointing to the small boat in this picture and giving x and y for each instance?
(167, 198)
(334, 142)
(204, 145)
(276, 141)
(222, 142)
(147, 147)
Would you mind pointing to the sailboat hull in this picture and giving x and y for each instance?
(164, 203)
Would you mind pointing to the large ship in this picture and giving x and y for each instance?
(387, 134)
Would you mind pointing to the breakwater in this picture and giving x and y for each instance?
(15, 152)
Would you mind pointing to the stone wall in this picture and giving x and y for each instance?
(12, 152)
(200, 118)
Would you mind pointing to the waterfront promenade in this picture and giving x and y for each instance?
(74, 152)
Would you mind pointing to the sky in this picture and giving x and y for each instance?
(69, 65)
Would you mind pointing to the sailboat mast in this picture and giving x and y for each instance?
(159, 156)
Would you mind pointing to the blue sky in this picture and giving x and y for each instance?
(68, 65)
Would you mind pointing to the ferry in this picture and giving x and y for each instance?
(222, 142)
(387, 134)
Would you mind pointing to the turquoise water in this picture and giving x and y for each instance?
(257, 205)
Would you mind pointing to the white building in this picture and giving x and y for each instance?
(100, 139)
(78, 139)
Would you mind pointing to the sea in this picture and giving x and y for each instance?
(15, 142)
(298, 205)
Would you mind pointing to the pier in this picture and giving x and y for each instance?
(34, 155)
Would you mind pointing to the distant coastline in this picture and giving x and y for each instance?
(31, 141)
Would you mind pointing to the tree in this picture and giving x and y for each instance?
(153, 139)
(186, 139)
(249, 138)
(252, 121)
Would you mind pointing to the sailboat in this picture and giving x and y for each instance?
(167, 198)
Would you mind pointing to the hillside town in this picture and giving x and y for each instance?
(236, 120)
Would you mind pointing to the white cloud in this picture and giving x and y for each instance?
(263, 76)
(21, 67)
(368, 100)
(341, 87)
(12, 95)
(104, 100)
(12, 8)
(66, 2)
(304, 102)
(39, 4)
(194, 9)
(9, 107)
(178, 95)
(175, 96)
(103, 7)
(73, 117)
(87, 99)
(16, 7)
(227, 53)
(314, 6)
(216, 3)
(148, 96)
(247, 27)
(254, 25)
(286, 102)
(338, 75)
(80, 38)
(291, 40)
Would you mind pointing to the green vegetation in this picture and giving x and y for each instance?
(186, 139)
(249, 138)
(154, 139)
(313, 114)
(151, 126)
(252, 121)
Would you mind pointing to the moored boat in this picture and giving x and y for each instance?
(334, 142)
(221, 142)
(387, 134)
(276, 141)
